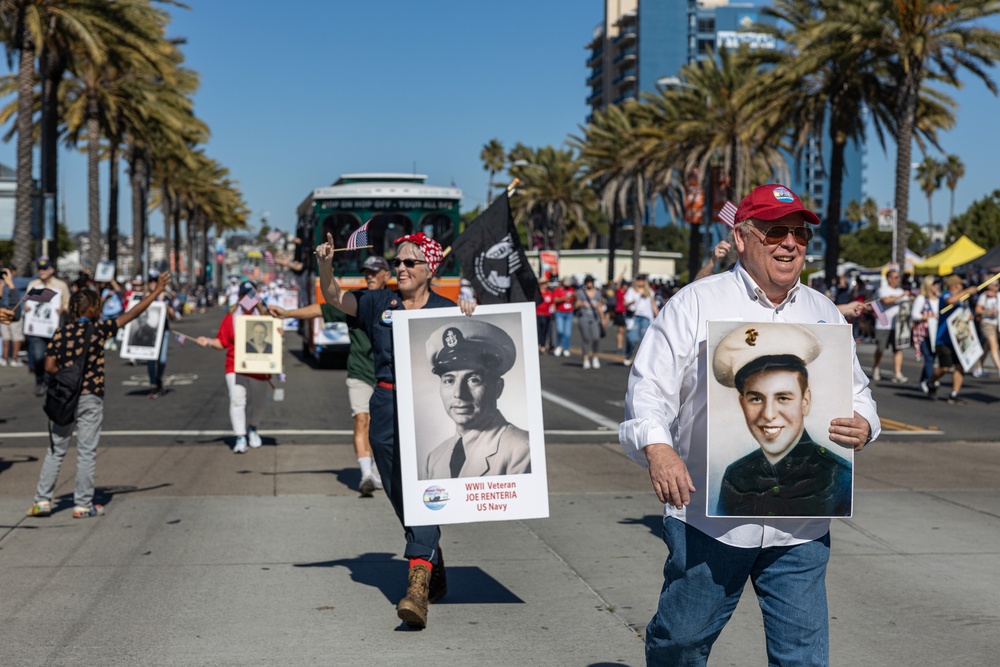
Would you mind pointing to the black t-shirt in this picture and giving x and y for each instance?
(69, 343)
(375, 319)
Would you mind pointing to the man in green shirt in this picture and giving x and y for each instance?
(360, 369)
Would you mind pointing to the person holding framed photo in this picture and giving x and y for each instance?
(417, 259)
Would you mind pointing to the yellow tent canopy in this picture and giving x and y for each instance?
(942, 264)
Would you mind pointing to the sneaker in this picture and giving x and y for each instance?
(924, 387)
(979, 373)
(596, 363)
(154, 394)
(557, 352)
(566, 353)
(953, 399)
(3, 362)
(367, 487)
(15, 363)
(586, 364)
(876, 374)
(254, 439)
(900, 379)
(241, 445)
(41, 508)
(627, 363)
(39, 390)
(86, 512)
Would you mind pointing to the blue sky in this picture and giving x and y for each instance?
(297, 96)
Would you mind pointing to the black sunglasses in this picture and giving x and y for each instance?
(778, 233)
(408, 263)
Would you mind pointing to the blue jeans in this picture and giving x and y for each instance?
(635, 335)
(702, 583)
(36, 357)
(157, 367)
(564, 329)
(925, 352)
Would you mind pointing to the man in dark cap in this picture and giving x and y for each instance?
(470, 357)
(790, 474)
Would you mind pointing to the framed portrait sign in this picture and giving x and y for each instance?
(144, 335)
(472, 441)
(773, 389)
(904, 325)
(41, 318)
(962, 329)
(258, 344)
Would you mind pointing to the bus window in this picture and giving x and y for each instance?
(383, 231)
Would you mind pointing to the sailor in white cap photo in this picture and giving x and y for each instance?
(789, 474)
(470, 357)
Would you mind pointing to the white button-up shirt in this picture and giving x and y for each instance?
(667, 395)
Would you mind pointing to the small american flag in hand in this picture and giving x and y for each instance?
(249, 301)
(359, 238)
(269, 258)
(728, 214)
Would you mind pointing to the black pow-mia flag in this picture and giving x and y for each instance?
(492, 258)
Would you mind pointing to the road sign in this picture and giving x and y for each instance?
(886, 219)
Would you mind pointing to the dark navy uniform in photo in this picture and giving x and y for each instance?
(375, 310)
(808, 481)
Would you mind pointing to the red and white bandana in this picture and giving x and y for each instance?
(431, 249)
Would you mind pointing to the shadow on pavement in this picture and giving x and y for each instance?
(349, 477)
(466, 584)
(654, 522)
(7, 464)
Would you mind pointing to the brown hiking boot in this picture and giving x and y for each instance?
(439, 580)
(413, 608)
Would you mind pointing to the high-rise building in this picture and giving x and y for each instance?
(642, 42)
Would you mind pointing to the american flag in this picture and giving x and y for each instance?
(269, 258)
(359, 238)
(274, 235)
(728, 214)
(879, 311)
(250, 301)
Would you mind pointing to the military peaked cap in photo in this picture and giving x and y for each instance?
(470, 344)
(759, 346)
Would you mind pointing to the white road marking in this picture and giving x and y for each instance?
(44, 434)
(586, 413)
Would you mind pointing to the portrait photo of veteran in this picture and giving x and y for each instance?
(470, 358)
(665, 430)
(257, 336)
(789, 474)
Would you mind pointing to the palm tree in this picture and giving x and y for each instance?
(954, 170)
(927, 40)
(20, 34)
(552, 183)
(606, 150)
(930, 173)
(493, 158)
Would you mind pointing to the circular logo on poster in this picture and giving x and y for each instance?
(435, 497)
(387, 317)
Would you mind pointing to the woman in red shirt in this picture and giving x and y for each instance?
(564, 297)
(247, 392)
(543, 315)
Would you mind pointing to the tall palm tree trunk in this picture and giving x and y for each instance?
(177, 242)
(166, 207)
(189, 254)
(907, 111)
(951, 207)
(25, 146)
(52, 74)
(93, 184)
(138, 177)
(833, 210)
(113, 204)
(203, 279)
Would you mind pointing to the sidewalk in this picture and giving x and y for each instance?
(207, 558)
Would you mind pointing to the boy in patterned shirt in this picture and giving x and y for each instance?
(71, 344)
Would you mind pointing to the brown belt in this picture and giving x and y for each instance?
(385, 385)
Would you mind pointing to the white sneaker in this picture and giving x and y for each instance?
(877, 374)
(15, 363)
(566, 353)
(586, 364)
(367, 487)
(254, 438)
(241, 445)
(627, 363)
(557, 352)
(596, 363)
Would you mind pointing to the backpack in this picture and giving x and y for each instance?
(65, 386)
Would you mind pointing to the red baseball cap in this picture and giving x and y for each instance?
(770, 202)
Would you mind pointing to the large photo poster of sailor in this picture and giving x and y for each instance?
(144, 335)
(41, 318)
(257, 344)
(472, 441)
(962, 329)
(773, 389)
(904, 324)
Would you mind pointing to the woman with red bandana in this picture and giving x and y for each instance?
(417, 259)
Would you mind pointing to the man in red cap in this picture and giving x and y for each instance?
(665, 430)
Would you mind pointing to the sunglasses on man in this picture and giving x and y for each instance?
(408, 263)
(778, 233)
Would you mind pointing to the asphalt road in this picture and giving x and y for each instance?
(270, 558)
